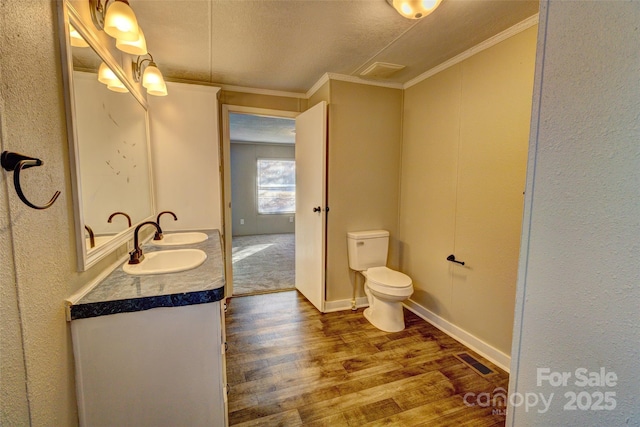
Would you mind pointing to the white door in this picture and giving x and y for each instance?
(311, 137)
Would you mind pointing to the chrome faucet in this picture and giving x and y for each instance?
(120, 213)
(175, 218)
(136, 256)
(92, 238)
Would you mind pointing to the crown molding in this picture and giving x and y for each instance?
(317, 85)
(492, 41)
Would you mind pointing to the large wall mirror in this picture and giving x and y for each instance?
(109, 145)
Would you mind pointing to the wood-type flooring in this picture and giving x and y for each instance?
(290, 365)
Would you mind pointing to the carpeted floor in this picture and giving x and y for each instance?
(263, 263)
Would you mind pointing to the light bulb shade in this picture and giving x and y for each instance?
(105, 74)
(109, 78)
(152, 76)
(414, 9)
(136, 47)
(159, 89)
(75, 38)
(117, 86)
(120, 22)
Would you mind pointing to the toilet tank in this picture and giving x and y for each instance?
(367, 249)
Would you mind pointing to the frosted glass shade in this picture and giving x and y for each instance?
(105, 75)
(152, 76)
(136, 47)
(120, 22)
(152, 80)
(414, 9)
(108, 77)
(117, 86)
(158, 89)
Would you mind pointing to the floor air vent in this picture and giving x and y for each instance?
(474, 364)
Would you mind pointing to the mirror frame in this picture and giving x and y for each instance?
(67, 14)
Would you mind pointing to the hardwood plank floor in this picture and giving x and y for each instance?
(289, 365)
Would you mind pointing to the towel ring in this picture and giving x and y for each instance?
(16, 162)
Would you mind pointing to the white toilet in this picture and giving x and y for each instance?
(385, 288)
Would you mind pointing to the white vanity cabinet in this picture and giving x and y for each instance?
(158, 367)
(149, 350)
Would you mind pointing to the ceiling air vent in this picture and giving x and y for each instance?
(381, 70)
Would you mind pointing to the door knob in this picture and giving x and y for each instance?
(317, 209)
(452, 258)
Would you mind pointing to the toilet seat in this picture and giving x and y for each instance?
(387, 281)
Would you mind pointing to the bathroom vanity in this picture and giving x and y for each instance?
(149, 350)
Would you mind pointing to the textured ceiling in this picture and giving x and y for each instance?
(288, 45)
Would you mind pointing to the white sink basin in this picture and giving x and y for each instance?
(171, 261)
(175, 239)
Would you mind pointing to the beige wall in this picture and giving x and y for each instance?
(37, 250)
(363, 173)
(463, 169)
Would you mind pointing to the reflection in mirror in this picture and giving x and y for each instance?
(112, 151)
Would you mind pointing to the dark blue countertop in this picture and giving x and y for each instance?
(120, 292)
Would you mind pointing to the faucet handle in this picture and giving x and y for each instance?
(136, 256)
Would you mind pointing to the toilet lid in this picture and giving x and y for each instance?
(388, 277)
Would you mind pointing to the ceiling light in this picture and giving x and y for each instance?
(414, 9)
(116, 18)
(151, 76)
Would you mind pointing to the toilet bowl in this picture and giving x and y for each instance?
(385, 288)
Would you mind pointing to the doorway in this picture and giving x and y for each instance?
(259, 199)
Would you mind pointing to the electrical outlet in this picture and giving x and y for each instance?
(242, 221)
(290, 219)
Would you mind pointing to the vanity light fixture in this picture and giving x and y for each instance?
(414, 9)
(116, 18)
(151, 76)
(108, 77)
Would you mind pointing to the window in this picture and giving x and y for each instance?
(276, 186)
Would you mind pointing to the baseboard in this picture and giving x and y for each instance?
(474, 343)
(344, 304)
